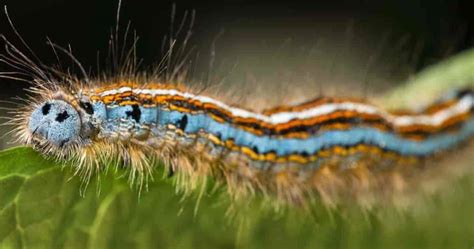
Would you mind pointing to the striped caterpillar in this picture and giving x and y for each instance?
(139, 122)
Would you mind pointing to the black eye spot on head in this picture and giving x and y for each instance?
(135, 113)
(183, 122)
(87, 107)
(62, 116)
(45, 109)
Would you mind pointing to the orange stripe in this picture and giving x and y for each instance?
(121, 99)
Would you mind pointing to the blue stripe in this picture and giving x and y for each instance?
(286, 146)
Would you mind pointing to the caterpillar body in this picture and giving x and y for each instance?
(280, 150)
(138, 122)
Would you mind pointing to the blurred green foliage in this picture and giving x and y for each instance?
(451, 74)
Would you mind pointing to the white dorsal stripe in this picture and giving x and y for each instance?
(463, 106)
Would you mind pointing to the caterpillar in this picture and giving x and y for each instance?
(138, 122)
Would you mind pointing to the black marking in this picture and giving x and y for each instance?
(87, 107)
(464, 92)
(45, 109)
(313, 129)
(135, 113)
(62, 116)
(255, 148)
(183, 122)
(63, 143)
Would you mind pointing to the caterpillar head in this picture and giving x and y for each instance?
(56, 121)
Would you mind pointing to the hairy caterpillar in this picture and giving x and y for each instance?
(136, 120)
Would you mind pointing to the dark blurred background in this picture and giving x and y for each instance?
(424, 30)
(294, 43)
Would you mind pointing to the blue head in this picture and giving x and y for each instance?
(56, 121)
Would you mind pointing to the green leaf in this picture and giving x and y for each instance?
(41, 207)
